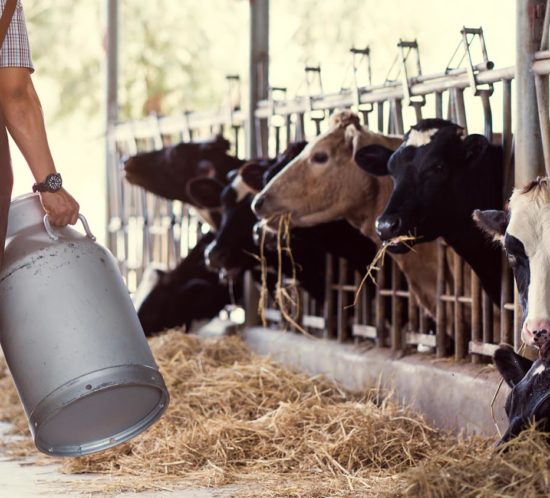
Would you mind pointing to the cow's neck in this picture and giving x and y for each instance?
(464, 237)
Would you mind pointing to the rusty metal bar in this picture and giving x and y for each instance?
(440, 318)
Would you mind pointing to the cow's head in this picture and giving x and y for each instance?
(233, 248)
(430, 172)
(524, 232)
(166, 172)
(529, 400)
(322, 183)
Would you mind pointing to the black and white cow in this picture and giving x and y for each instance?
(440, 177)
(524, 232)
(529, 400)
(179, 297)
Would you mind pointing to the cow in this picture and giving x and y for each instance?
(528, 402)
(188, 293)
(166, 172)
(324, 184)
(440, 176)
(523, 230)
(233, 249)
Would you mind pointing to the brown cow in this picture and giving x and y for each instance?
(323, 184)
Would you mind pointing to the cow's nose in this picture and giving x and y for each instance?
(258, 204)
(388, 226)
(536, 332)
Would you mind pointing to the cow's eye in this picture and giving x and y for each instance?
(320, 157)
(439, 167)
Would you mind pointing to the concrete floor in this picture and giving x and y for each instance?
(23, 479)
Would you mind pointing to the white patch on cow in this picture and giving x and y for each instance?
(241, 188)
(539, 370)
(418, 138)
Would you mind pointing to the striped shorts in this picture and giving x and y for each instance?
(15, 51)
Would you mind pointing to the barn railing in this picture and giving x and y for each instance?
(144, 229)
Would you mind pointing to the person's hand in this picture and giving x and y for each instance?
(61, 208)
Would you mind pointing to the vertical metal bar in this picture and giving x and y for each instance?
(487, 316)
(329, 299)
(440, 318)
(541, 87)
(460, 108)
(439, 104)
(112, 104)
(461, 344)
(343, 312)
(507, 138)
(506, 328)
(476, 311)
(380, 309)
(528, 150)
(485, 96)
(380, 116)
(396, 339)
(258, 86)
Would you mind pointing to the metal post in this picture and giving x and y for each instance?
(111, 101)
(258, 75)
(528, 150)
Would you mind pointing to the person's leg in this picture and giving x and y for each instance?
(6, 184)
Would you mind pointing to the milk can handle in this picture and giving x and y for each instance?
(54, 235)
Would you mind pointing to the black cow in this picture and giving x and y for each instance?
(189, 292)
(166, 172)
(440, 176)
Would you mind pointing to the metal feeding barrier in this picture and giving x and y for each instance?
(470, 90)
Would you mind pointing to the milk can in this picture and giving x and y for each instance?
(72, 339)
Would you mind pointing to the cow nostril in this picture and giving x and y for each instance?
(388, 226)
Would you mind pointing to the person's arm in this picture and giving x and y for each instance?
(24, 120)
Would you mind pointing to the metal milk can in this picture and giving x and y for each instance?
(72, 339)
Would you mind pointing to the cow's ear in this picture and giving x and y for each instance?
(492, 221)
(253, 176)
(475, 145)
(205, 192)
(511, 365)
(373, 159)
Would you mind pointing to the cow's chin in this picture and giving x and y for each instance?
(398, 247)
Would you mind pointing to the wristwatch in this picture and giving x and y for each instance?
(52, 184)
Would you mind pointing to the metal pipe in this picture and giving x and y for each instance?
(528, 150)
(541, 87)
(111, 84)
(258, 86)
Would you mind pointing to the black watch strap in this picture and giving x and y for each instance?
(52, 184)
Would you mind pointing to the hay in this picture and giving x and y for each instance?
(239, 418)
(379, 258)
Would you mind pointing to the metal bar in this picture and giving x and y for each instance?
(258, 81)
(343, 298)
(329, 299)
(440, 318)
(528, 149)
(396, 338)
(541, 89)
(111, 103)
(544, 39)
(460, 336)
(475, 290)
(381, 333)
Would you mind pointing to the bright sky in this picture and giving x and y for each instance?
(77, 143)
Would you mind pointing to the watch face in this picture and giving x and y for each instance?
(54, 182)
